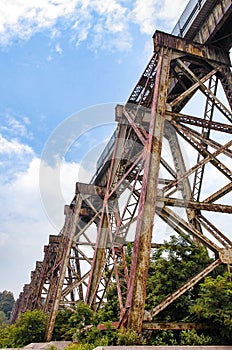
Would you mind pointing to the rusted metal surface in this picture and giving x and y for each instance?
(182, 45)
(216, 26)
(142, 174)
(98, 261)
(226, 81)
(208, 93)
(225, 256)
(142, 244)
(193, 17)
(54, 294)
(205, 132)
(178, 326)
(211, 125)
(139, 95)
(219, 194)
(89, 189)
(219, 208)
(214, 231)
(186, 229)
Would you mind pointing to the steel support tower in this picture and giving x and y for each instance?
(167, 168)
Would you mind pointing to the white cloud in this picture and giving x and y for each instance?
(24, 225)
(14, 147)
(105, 23)
(19, 19)
(15, 125)
(3, 239)
(58, 49)
(148, 14)
(25, 222)
(57, 187)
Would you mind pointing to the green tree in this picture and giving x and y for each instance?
(171, 266)
(6, 302)
(109, 311)
(214, 306)
(30, 327)
(7, 337)
(82, 315)
(62, 326)
(3, 320)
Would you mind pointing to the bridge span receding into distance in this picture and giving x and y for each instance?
(138, 184)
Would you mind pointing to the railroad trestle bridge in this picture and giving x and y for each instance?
(137, 180)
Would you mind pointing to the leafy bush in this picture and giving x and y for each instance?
(30, 327)
(191, 337)
(214, 306)
(127, 337)
(80, 346)
(163, 337)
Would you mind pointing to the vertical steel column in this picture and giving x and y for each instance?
(100, 248)
(99, 259)
(142, 244)
(69, 232)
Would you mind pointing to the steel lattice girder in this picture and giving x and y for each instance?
(181, 70)
(146, 176)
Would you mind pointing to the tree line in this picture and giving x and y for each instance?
(6, 305)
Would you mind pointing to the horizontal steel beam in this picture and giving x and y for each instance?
(162, 39)
(176, 202)
(188, 119)
(177, 326)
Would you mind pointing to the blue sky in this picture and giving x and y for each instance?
(59, 59)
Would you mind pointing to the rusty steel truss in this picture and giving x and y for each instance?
(167, 169)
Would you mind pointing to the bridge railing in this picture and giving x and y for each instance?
(106, 153)
(187, 17)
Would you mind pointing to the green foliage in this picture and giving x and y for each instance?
(214, 306)
(171, 266)
(110, 334)
(71, 324)
(62, 326)
(89, 339)
(51, 347)
(6, 335)
(164, 337)
(6, 302)
(3, 320)
(191, 337)
(82, 316)
(80, 347)
(30, 327)
(127, 337)
(110, 309)
(90, 335)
